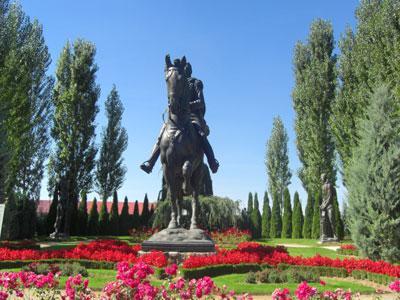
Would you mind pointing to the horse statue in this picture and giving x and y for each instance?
(181, 150)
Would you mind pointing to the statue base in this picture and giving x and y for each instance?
(58, 236)
(179, 240)
(328, 240)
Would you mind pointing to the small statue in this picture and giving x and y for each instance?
(197, 112)
(327, 217)
(60, 190)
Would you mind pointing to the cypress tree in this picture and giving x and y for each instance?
(339, 226)
(297, 218)
(313, 95)
(83, 215)
(250, 207)
(124, 218)
(11, 228)
(135, 216)
(277, 160)
(52, 214)
(373, 181)
(144, 217)
(104, 219)
(276, 219)
(114, 217)
(287, 215)
(266, 217)
(93, 220)
(316, 226)
(110, 170)
(308, 218)
(256, 218)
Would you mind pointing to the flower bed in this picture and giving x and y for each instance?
(255, 253)
(230, 236)
(100, 250)
(348, 249)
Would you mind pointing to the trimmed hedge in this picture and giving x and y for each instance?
(89, 264)
(377, 278)
(321, 271)
(218, 270)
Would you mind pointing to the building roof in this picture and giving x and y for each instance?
(43, 206)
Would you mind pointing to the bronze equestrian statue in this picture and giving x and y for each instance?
(197, 111)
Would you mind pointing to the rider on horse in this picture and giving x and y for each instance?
(197, 112)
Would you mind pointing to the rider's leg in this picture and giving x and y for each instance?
(148, 165)
(208, 151)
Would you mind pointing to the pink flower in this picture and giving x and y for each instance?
(395, 286)
(279, 294)
(304, 291)
(171, 270)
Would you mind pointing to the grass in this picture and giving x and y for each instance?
(237, 283)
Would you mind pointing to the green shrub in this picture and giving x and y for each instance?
(263, 275)
(251, 277)
(219, 270)
(73, 269)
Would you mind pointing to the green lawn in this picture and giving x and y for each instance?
(237, 283)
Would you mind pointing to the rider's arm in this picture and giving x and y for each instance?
(199, 103)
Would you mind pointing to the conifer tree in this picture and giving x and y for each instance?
(276, 219)
(277, 160)
(266, 217)
(316, 225)
(52, 214)
(339, 226)
(308, 217)
(144, 217)
(136, 216)
(93, 220)
(287, 215)
(373, 181)
(250, 203)
(114, 217)
(110, 170)
(313, 95)
(297, 218)
(83, 215)
(124, 218)
(104, 219)
(256, 218)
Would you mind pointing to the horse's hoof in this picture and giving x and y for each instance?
(193, 226)
(172, 225)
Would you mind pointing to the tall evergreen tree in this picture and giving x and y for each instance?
(124, 219)
(287, 215)
(75, 99)
(368, 58)
(104, 219)
(110, 170)
(308, 217)
(297, 218)
(93, 220)
(114, 216)
(144, 217)
(136, 216)
(52, 214)
(314, 92)
(250, 207)
(339, 226)
(277, 160)
(266, 217)
(316, 226)
(256, 218)
(373, 181)
(276, 219)
(83, 215)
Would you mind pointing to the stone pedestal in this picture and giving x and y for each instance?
(324, 240)
(179, 240)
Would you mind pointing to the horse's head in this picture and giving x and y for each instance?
(176, 85)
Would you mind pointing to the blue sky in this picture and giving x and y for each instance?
(241, 50)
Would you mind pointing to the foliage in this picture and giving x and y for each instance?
(75, 100)
(104, 219)
(255, 218)
(276, 219)
(215, 213)
(277, 160)
(308, 217)
(135, 222)
(110, 170)
(230, 236)
(52, 214)
(250, 204)
(316, 225)
(124, 219)
(348, 249)
(93, 220)
(287, 215)
(373, 181)
(313, 94)
(339, 226)
(145, 215)
(297, 217)
(114, 216)
(266, 217)
(83, 215)
(290, 275)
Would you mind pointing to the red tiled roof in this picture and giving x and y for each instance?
(43, 206)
